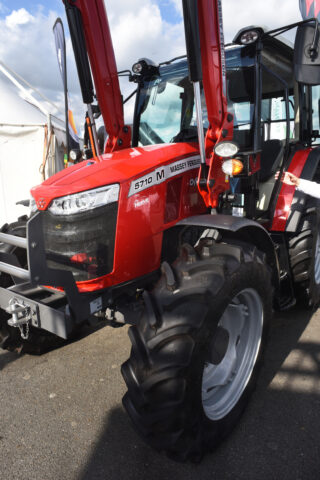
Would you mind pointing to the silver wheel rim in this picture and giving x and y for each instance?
(317, 261)
(233, 353)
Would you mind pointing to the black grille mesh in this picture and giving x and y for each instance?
(82, 243)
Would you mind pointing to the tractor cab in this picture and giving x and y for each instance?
(273, 116)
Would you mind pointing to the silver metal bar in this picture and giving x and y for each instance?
(197, 101)
(15, 271)
(94, 130)
(13, 240)
(50, 319)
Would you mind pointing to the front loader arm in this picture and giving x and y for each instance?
(209, 30)
(215, 90)
(104, 70)
(213, 65)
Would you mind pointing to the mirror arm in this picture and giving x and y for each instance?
(313, 49)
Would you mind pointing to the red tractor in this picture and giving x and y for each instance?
(179, 227)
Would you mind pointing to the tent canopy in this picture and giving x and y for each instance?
(32, 145)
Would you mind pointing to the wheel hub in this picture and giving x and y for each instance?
(233, 353)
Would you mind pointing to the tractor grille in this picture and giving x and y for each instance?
(81, 243)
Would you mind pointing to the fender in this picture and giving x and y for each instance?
(240, 228)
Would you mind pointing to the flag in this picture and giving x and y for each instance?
(71, 132)
(58, 31)
(310, 9)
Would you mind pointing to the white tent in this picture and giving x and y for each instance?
(31, 144)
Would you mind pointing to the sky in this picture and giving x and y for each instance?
(139, 28)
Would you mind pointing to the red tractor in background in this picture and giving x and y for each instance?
(179, 227)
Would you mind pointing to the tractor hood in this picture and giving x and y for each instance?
(119, 167)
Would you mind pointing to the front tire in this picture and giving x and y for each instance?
(197, 349)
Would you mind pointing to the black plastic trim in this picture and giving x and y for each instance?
(80, 52)
(81, 306)
(240, 228)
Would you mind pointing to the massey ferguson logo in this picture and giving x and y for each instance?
(41, 203)
(163, 173)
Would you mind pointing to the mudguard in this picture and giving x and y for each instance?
(240, 228)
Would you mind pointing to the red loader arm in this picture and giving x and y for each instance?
(104, 69)
(208, 32)
(214, 84)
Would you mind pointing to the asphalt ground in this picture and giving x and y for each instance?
(61, 415)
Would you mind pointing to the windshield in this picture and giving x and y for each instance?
(166, 112)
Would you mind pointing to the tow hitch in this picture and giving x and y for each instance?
(21, 316)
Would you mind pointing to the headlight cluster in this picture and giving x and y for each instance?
(83, 201)
(226, 149)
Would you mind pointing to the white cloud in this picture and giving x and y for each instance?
(137, 28)
(240, 13)
(19, 17)
(27, 46)
(27, 43)
(271, 13)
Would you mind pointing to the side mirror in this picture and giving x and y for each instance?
(307, 55)
(80, 52)
(192, 34)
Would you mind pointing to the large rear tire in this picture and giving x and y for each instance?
(196, 351)
(39, 341)
(304, 251)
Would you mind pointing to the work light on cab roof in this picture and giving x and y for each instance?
(249, 35)
(143, 66)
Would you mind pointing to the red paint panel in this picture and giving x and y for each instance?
(140, 223)
(214, 84)
(287, 192)
(211, 59)
(140, 229)
(117, 167)
(173, 200)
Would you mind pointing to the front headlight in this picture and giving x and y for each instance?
(226, 148)
(84, 201)
(32, 205)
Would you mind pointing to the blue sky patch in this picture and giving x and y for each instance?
(6, 6)
(168, 11)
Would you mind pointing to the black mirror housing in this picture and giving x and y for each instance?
(80, 52)
(191, 28)
(307, 54)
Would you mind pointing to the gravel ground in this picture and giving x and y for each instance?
(61, 415)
